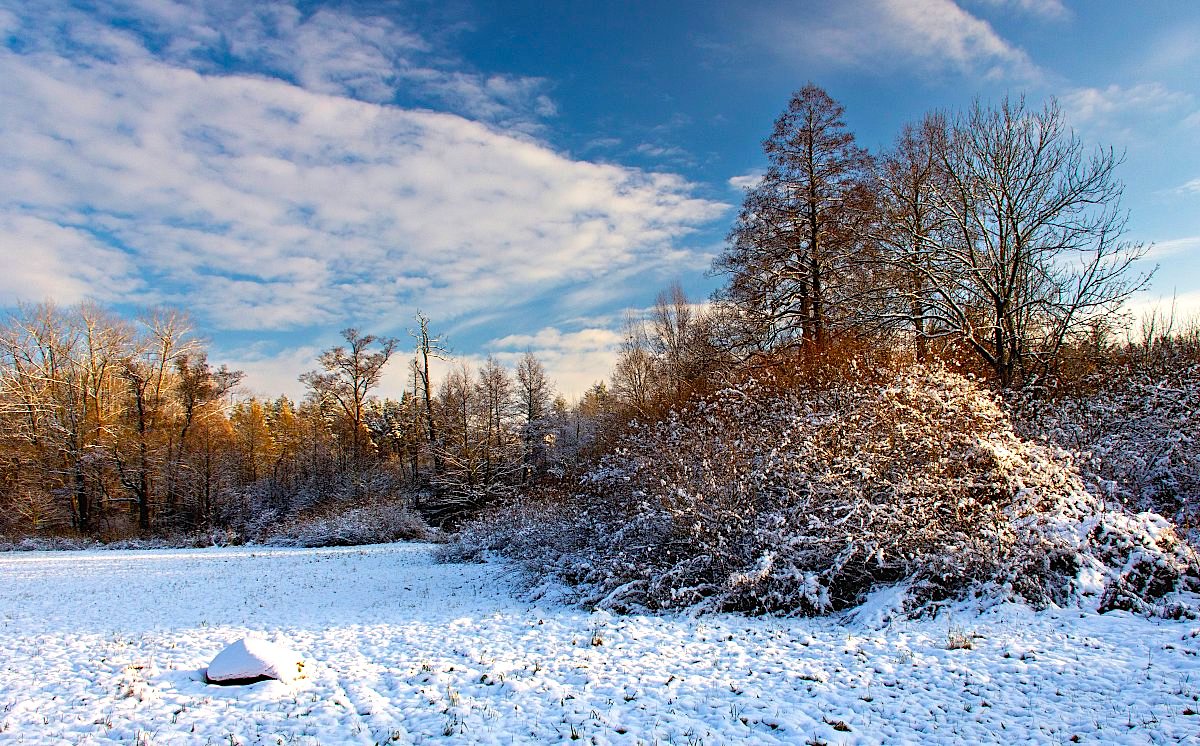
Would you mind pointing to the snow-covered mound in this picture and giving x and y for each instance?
(774, 498)
(253, 659)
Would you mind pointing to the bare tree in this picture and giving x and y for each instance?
(635, 375)
(794, 245)
(534, 394)
(198, 388)
(497, 404)
(148, 375)
(1026, 247)
(350, 374)
(673, 333)
(428, 347)
(93, 402)
(461, 448)
(909, 180)
(257, 449)
(46, 410)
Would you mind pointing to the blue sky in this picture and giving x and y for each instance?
(521, 171)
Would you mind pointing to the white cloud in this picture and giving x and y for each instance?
(347, 51)
(601, 143)
(935, 35)
(1191, 187)
(573, 360)
(1136, 114)
(271, 375)
(1173, 247)
(1172, 50)
(1112, 102)
(9, 22)
(665, 152)
(290, 189)
(262, 204)
(551, 338)
(748, 180)
(46, 261)
(1178, 311)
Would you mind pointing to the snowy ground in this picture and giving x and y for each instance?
(108, 647)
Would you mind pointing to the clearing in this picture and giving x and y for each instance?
(109, 647)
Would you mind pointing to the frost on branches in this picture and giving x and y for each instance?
(772, 498)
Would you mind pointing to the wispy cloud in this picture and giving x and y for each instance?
(43, 260)
(1172, 51)
(1174, 247)
(601, 143)
(1124, 110)
(935, 35)
(575, 360)
(1048, 9)
(1190, 187)
(270, 374)
(1092, 104)
(301, 197)
(361, 55)
(666, 153)
(552, 338)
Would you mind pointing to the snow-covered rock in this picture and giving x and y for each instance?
(253, 659)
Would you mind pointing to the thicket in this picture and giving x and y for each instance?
(780, 496)
(1132, 416)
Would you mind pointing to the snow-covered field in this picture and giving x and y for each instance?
(109, 647)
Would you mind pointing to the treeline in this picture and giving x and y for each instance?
(112, 428)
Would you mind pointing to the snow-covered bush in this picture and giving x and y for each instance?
(44, 544)
(774, 498)
(215, 537)
(378, 523)
(1136, 429)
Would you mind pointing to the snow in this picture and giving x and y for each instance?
(252, 658)
(102, 647)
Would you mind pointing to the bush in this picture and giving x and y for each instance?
(215, 537)
(378, 523)
(1135, 426)
(771, 498)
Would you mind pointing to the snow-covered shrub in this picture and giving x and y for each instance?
(215, 537)
(45, 544)
(772, 498)
(527, 521)
(378, 523)
(1135, 428)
